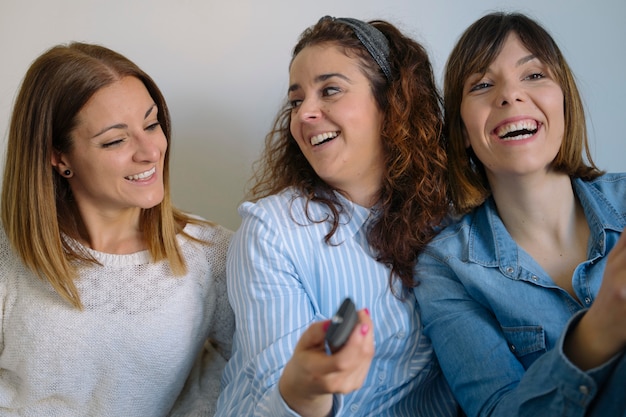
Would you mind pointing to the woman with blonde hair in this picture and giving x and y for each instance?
(108, 292)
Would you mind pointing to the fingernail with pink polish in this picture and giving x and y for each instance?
(364, 329)
(326, 325)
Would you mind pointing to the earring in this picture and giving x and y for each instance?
(67, 172)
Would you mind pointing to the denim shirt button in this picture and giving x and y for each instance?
(512, 348)
(583, 390)
(587, 300)
(534, 278)
(354, 408)
(509, 269)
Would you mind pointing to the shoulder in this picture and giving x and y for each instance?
(607, 192)
(454, 235)
(8, 257)
(286, 209)
(611, 184)
(216, 236)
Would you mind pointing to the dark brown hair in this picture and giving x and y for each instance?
(475, 50)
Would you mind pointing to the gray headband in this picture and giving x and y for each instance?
(372, 39)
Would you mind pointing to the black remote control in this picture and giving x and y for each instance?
(341, 326)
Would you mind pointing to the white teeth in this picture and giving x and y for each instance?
(316, 140)
(524, 125)
(142, 175)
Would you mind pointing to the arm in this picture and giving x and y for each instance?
(485, 376)
(223, 319)
(600, 334)
(273, 307)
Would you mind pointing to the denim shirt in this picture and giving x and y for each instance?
(497, 320)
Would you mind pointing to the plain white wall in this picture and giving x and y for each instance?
(222, 66)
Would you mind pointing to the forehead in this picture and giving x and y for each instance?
(120, 102)
(320, 59)
(511, 51)
(121, 95)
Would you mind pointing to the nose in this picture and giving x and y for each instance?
(508, 93)
(147, 148)
(309, 110)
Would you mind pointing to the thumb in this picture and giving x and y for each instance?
(313, 337)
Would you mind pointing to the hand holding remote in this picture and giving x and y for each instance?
(341, 326)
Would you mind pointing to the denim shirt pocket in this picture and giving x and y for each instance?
(527, 343)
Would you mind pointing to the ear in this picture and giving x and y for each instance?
(59, 162)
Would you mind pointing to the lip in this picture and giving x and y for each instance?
(518, 123)
(516, 119)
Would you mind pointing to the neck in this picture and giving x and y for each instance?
(548, 222)
(115, 234)
(531, 208)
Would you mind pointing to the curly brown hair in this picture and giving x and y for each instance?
(413, 193)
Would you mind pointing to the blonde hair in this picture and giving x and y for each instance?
(37, 204)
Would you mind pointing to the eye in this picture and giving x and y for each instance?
(153, 126)
(112, 143)
(330, 91)
(479, 86)
(295, 103)
(535, 76)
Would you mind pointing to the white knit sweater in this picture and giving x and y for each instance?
(131, 349)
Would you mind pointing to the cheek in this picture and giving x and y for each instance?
(470, 126)
(559, 109)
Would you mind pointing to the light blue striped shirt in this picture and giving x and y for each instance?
(282, 276)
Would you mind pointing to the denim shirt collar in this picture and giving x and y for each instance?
(491, 245)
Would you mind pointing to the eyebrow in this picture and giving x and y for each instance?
(519, 63)
(123, 125)
(525, 59)
(319, 79)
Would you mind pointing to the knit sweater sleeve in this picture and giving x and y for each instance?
(7, 267)
(222, 325)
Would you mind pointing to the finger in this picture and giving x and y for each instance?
(363, 332)
(313, 336)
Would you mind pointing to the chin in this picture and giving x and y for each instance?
(150, 203)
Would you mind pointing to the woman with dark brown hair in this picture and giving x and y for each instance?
(350, 188)
(524, 297)
(108, 292)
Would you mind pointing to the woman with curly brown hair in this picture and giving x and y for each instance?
(350, 188)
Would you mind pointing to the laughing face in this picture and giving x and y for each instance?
(118, 151)
(336, 121)
(514, 114)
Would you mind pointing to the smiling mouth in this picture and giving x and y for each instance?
(517, 131)
(323, 138)
(142, 175)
